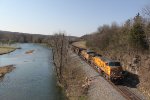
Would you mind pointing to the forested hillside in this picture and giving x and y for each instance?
(129, 43)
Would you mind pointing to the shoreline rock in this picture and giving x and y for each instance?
(29, 52)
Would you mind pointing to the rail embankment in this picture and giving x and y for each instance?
(81, 44)
(72, 77)
(82, 82)
(98, 86)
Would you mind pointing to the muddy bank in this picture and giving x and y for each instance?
(6, 69)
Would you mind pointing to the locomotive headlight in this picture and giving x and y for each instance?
(121, 73)
(112, 73)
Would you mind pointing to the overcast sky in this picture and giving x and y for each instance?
(75, 17)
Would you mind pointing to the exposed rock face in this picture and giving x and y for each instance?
(134, 65)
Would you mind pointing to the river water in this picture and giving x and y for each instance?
(33, 78)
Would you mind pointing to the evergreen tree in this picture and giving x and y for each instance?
(137, 34)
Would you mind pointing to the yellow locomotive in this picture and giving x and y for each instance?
(108, 68)
(87, 54)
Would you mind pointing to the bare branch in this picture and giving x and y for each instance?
(146, 10)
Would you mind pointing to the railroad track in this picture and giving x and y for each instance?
(128, 94)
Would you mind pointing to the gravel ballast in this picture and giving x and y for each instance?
(99, 88)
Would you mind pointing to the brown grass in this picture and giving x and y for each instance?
(81, 44)
(74, 77)
(5, 50)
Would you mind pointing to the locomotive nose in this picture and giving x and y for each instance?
(116, 72)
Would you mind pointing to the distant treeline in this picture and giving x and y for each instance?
(12, 37)
(16, 37)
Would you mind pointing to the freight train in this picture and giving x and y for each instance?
(110, 69)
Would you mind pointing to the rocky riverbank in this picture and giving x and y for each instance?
(6, 69)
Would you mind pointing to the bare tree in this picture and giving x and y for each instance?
(60, 51)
